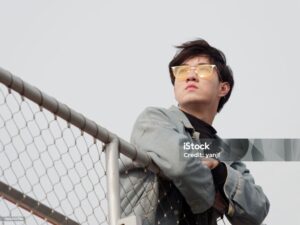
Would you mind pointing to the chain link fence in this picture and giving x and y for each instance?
(58, 167)
(49, 160)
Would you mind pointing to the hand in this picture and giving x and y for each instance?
(210, 163)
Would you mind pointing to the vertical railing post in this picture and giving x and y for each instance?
(113, 185)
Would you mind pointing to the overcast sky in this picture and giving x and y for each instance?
(108, 60)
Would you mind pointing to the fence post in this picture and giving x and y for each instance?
(113, 185)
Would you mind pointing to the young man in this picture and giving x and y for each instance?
(190, 190)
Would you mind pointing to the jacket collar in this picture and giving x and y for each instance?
(179, 115)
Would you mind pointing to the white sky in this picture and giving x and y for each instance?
(108, 60)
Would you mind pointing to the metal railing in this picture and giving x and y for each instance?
(113, 146)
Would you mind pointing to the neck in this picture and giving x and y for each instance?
(203, 113)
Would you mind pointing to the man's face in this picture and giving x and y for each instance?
(192, 89)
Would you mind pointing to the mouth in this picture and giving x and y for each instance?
(191, 87)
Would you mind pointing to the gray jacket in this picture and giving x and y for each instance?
(161, 133)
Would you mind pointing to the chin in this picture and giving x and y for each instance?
(192, 103)
(193, 100)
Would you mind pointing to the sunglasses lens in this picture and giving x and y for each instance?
(204, 71)
(181, 72)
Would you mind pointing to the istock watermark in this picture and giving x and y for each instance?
(194, 146)
(203, 149)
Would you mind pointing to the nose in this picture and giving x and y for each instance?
(192, 75)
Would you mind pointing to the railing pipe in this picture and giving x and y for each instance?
(113, 185)
(71, 116)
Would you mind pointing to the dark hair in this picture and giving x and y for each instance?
(200, 47)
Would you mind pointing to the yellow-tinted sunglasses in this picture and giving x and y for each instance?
(201, 70)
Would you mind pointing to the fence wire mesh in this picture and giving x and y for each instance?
(50, 161)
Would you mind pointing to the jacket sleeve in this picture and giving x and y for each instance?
(248, 204)
(155, 134)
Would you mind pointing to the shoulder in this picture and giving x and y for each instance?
(159, 117)
(155, 113)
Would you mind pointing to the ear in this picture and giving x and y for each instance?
(224, 88)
